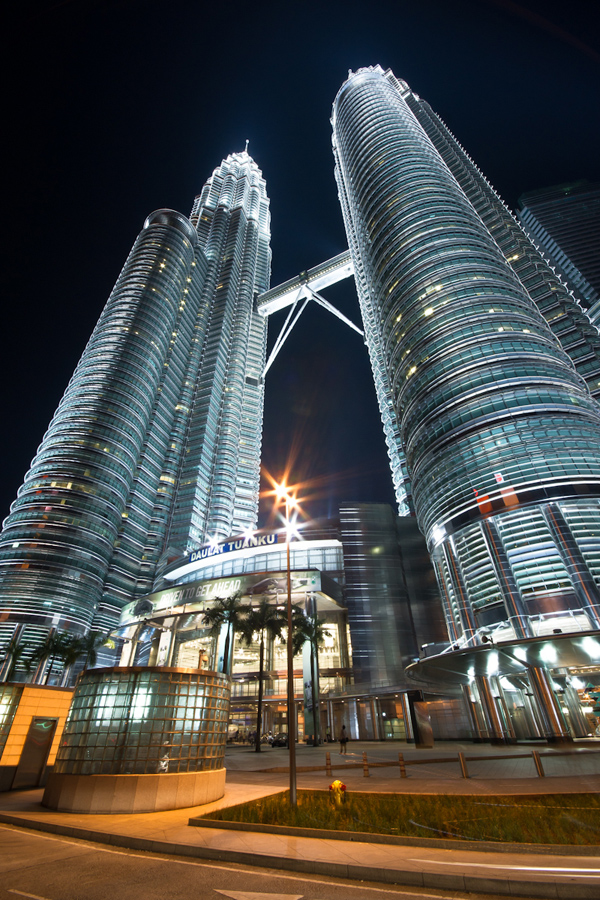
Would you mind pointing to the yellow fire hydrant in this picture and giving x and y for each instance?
(338, 792)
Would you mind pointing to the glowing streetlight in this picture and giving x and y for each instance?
(282, 493)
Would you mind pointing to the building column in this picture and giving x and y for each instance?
(342, 630)
(172, 643)
(331, 720)
(465, 613)
(505, 712)
(445, 598)
(472, 713)
(579, 723)
(408, 725)
(130, 646)
(495, 730)
(511, 595)
(531, 715)
(554, 727)
(375, 719)
(14, 643)
(584, 585)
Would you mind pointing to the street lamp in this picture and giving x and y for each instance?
(284, 496)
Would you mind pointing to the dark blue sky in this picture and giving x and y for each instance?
(118, 107)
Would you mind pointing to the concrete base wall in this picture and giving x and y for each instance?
(132, 793)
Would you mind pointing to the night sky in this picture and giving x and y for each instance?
(114, 109)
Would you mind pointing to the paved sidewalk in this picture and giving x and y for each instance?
(564, 875)
(567, 769)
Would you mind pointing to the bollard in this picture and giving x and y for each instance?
(538, 763)
(463, 765)
(328, 763)
(402, 765)
(365, 765)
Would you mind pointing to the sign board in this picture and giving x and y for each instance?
(192, 597)
(229, 546)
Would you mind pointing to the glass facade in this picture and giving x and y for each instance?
(499, 431)
(58, 541)
(218, 483)
(10, 697)
(564, 221)
(384, 640)
(561, 310)
(140, 721)
(155, 446)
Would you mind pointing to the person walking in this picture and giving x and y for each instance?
(343, 740)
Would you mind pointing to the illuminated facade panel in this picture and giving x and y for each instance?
(564, 221)
(217, 493)
(140, 721)
(88, 476)
(499, 431)
(155, 446)
(535, 270)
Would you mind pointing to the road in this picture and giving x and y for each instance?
(44, 867)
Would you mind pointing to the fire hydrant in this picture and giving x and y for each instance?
(338, 792)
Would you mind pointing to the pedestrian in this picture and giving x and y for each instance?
(343, 740)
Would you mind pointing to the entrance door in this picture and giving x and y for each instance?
(35, 753)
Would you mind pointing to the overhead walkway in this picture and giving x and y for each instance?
(298, 291)
(305, 284)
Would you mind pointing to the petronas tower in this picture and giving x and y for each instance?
(155, 446)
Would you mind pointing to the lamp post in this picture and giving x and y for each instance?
(283, 495)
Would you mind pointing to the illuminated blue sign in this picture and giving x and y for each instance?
(242, 543)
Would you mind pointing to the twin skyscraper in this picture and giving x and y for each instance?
(486, 369)
(155, 446)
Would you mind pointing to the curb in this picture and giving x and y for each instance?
(366, 837)
(553, 890)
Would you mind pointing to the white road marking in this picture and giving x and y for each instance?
(250, 895)
(94, 848)
(23, 894)
(587, 873)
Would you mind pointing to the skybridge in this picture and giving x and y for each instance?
(297, 292)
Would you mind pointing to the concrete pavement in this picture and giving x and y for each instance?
(437, 864)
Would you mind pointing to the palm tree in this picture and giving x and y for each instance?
(310, 628)
(71, 653)
(90, 643)
(229, 612)
(53, 647)
(15, 655)
(82, 645)
(264, 620)
(60, 645)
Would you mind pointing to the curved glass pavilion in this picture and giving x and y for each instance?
(156, 442)
(500, 433)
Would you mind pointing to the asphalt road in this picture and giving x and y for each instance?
(44, 867)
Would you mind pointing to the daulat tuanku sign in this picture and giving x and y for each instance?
(261, 540)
